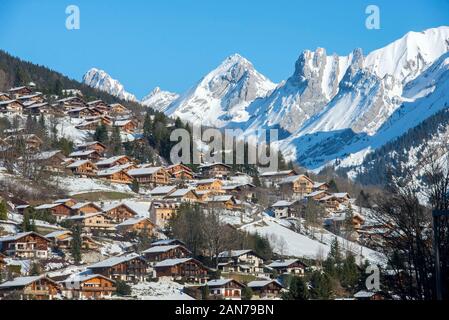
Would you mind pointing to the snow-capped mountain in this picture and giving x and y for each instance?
(102, 81)
(222, 96)
(158, 99)
(332, 107)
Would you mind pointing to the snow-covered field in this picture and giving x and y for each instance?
(299, 245)
(76, 185)
(162, 290)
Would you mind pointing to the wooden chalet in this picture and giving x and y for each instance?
(51, 160)
(11, 106)
(223, 201)
(136, 226)
(297, 185)
(317, 195)
(99, 147)
(71, 102)
(113, 162)
(119, 212)
(210, 185)
(242, 192)
(241, 261)
(25, 245)
(215, 170)
(284, 209)
(83, 168)
(4, 96)
(128, 126)
(160, 192)
(20, 91)
(266, 289)
(184, 195)
(160, 253)
(93, 222)
(35, 97)
(273, 178)
(321, 186)
(92, 155)
(291, 266)
(85, 208)
(98, 104)
(150, 175)
(161, 212)
(37, 108)
(168, 242)
(227, 289)
(180, 172)
(62, 239)
(31, 288)
(117, 108)
(59, 210)
(116, 174)
(88, 287)
(188, 269)
(80, 112)
(130, 268)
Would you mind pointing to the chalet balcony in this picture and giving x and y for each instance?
(98, 289)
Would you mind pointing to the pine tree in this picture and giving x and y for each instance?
(28, 221)
(247, 293)
(76, 244)
(298, 290)
(321, 286)
(116, 142)
(333, 188)
(205, 292)
(3, 211)
(350, 274)
(147, 126)
(135, 187)
(101, 134)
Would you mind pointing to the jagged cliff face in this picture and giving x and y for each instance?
(159, 100)
(222, 96)
(99, 79)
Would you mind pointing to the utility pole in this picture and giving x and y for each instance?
(437, 214)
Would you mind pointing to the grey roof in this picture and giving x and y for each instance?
(161, 249)
(282, 264)
(262, 283)
(218, 282)
(20, 235)
(144, 171)
(114, 261)
(233, 253)
(131, 222)
(162, 190)
(172, 262)
(109, 161)
(283, 203)
(20, 282)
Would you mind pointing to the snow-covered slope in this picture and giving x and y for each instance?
(159, 100)
(102, 81)
(222, 95)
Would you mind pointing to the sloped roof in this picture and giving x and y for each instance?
(114, 261)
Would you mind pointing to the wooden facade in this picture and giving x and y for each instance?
(187, 268)
(31, 288)
(266, 289)
(160, 253)
(137, 226)
(83, 168)
(301, 185)
(25, 245)
(115, 175)
(227, 289)
(216, 170)
(91, 287)
(150, 175)
(126, 268)
(119, 213)
(161, 212)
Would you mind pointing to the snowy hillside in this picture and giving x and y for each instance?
(99, 79)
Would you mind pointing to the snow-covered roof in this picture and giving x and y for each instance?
(208, 165)
(114, 261)
(233, 253)
(162, 190)
(121, 123)
(315, 193)
(131, 222)
(144, 171)
(112, 206)
(166, 242)
(364, 294)
(77, 164)
(282, 264)
(341, 195)
(222, 198)
(171, 262)
(84, 216)
(110, 160)
(19, 236)
(81, 153)
(205, 181)
(180, 193)
(109, 171)
(47, 206)
(276, 173)
(161, 249)
(20, 281)
(283, 203)
(45, 155)
(62, 200)
(84, 204)
(262, 283)
(218, 282)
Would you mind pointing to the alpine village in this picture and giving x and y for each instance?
(92, 208)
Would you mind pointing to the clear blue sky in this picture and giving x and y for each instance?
(173, 43)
